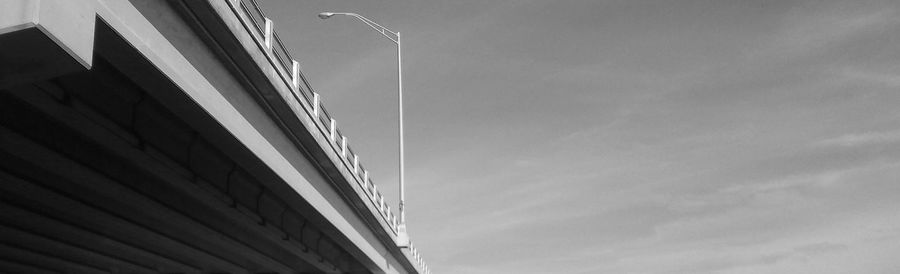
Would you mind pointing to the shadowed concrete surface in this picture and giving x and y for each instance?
(152, 138)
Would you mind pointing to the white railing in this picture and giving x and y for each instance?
(262, 29)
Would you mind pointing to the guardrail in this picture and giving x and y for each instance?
(262, 30)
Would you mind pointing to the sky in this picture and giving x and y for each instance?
(595, 136)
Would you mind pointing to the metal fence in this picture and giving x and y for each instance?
(262, 30)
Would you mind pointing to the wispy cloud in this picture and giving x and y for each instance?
(816, 27)
(860, 139)
(888, 80)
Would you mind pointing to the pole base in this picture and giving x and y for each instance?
(402, 237)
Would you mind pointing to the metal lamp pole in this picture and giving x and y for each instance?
(402, 237)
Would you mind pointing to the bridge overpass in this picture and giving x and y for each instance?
(175, 137)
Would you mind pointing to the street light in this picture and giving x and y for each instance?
(402, 237)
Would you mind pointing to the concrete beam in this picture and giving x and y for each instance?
(40, 39)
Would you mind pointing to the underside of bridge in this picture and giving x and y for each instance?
(98, 175)
(158, 137)
(161, 137)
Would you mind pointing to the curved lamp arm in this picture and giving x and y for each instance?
(377, 27)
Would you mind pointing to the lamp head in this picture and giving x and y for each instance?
(325, 15)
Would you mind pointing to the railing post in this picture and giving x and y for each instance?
(333, 129)
(366, 179)
(377, 201)
(344, 146)
(356, 164)
(380, 201)
(316, 105)
(268, 34)
(295, 73)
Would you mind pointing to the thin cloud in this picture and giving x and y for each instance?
(820, 248)
(806, 31)
(888, 80)
(860, 139)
